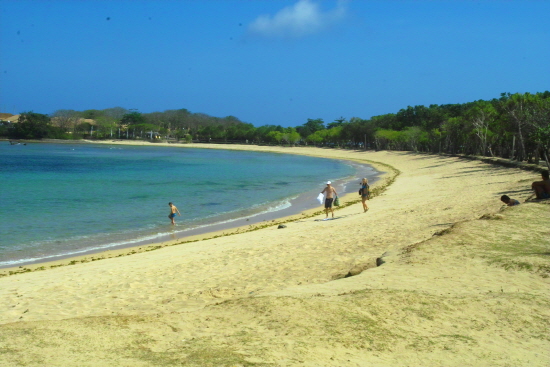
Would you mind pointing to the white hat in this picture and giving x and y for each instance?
(328, 182)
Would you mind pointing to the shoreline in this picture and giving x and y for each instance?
(437, 272)
(213, 230)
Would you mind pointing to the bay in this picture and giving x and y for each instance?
(69, 199)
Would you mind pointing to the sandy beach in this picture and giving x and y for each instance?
(436, 273)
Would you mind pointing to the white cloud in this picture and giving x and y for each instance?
(301, 19)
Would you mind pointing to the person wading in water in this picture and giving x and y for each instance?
(173, 211)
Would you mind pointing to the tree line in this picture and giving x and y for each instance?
(512, 126)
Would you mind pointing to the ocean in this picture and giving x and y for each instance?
(60, 200)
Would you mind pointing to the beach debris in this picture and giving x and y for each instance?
(281, 226)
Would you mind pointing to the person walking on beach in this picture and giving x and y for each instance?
(329, 193)
(365, 194)
(173, 211)
(542, 188)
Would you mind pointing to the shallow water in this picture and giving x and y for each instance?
(67, 199)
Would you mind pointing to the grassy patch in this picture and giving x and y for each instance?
(522, 242)
(199, 357)
(516, 239)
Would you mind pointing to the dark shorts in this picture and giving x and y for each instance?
(172, 215)
(328, 202)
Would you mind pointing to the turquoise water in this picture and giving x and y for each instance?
(66, 199)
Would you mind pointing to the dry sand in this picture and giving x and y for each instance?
(475, 294)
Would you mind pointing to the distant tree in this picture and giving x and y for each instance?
(115, 113)
(91, 114)
(261, 133)
(334, 135)
(482, 116)
(540, 121)
(275, 136)
(310, 127)
(139, 128)
(518, 108)
(389, 139)
(155, 118)
(387, 121)
(291, 136)
(31, 125)
(318, 137)
(4, 127)
(240, 131)
(174, 120)
(106, 125)
(66, 119)
(231, 120)
(413, 136)
(84, 128)
(132, 118)
(338, 122)
(453, 134)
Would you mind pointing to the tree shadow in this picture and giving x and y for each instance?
(464, 174)
(523, 191)
(434, 166)
(419, 156)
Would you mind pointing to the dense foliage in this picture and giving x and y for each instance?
(512, 126)
(34, 126)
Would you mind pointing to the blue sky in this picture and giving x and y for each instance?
(269, 62)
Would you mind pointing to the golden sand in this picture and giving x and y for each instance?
(474, 294)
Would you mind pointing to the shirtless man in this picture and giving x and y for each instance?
(542, 188)
(173, 211)
(329, 193)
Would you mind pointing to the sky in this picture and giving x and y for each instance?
(269, 62)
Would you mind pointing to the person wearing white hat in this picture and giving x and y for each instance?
(329, 193)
